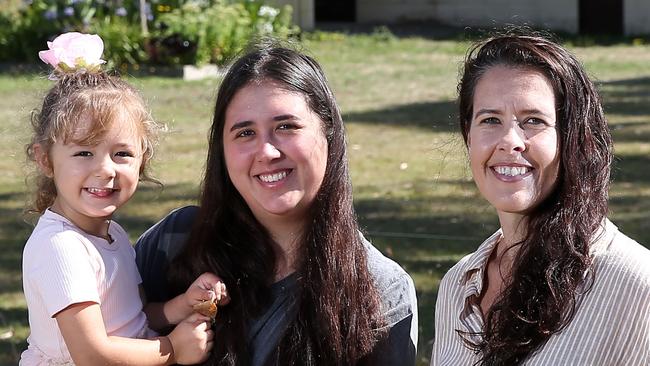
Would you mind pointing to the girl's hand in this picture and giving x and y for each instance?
(192, 340)
(207, 287)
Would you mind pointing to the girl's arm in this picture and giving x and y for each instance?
(82, 327)
(206, 287)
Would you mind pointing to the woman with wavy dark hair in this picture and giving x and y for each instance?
(557, 284)
(277, 224)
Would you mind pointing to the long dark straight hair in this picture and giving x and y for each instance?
(553, 259)
(338, 304)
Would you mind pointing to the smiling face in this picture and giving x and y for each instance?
(513, 141)
(92, 181)
(275, 151)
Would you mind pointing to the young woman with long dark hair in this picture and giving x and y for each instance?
(558, 284)
(276, 222)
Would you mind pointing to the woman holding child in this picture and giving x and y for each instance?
(557, 284)
(276, 222)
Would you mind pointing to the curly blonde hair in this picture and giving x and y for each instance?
(103, 99)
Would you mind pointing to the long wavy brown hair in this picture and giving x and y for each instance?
(338, 304)
(549, 270)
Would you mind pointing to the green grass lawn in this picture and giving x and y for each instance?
(413, 190)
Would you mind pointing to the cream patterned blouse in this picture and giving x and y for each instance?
(611, 325)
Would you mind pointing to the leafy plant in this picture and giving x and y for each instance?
(217, 32)
(35, 22)
(180, 31)
(124, 43)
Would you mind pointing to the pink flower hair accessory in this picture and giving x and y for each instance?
(73, 51)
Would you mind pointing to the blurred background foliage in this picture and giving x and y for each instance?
(159, 32)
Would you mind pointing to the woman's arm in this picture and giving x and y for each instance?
(83, 330)
(156, 249)
(162, 314)
(399, 309)
(398, 347)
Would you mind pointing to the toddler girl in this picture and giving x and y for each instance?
(92, 142)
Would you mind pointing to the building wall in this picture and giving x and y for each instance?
(395, 10)
(303, 12)
(636, 17)
(552, 14)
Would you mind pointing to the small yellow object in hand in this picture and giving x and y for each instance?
(207, 307)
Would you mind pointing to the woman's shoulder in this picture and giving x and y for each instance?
(470, 263)
(617, 293)
(177, 223)
(455, 277)
(178, 220)
(385, 271)
(621, 276)
(625, 260)
(397, 294)
(459, 268)
(157, 247)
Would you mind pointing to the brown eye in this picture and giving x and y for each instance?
(490, 121)
(287, 126)
(245, 133)
(533, 124)
(125, 154)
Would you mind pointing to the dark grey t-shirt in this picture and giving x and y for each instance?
(162, 242)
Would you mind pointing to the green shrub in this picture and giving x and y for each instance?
(26, 33)
(180, 31)
(124, 43)
(215, 33)
(36, 22)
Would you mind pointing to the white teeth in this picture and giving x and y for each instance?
(511, 170)
(270, 178)
(98, 190)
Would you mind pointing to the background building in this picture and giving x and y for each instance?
(616, 17)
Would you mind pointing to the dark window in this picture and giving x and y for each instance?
(335, 10)
(601, 17)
